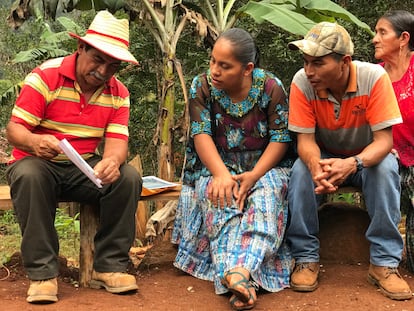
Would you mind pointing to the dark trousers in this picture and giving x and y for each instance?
(38, 185)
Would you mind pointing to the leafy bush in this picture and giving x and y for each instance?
(67, 228)
(9, 236)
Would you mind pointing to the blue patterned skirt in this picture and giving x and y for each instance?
(212, 241)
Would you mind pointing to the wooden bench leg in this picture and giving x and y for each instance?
(88, 226)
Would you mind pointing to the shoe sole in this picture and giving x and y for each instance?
(95, 284)
(42, 299)
(394, 296)
(241, 308)
(243, 282)
(304, 288)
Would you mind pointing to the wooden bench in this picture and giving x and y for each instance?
(6, 203)
(88, 227)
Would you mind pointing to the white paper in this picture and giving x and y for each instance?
(152, 182)
(76, 158)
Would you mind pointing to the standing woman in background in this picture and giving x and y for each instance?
(232, 211)
(394, 45)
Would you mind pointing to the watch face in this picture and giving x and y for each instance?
(359, 163)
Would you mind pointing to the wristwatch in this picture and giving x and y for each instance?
(359, 163)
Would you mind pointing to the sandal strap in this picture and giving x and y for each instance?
(236, 286)
(244, 281)
(254, 285)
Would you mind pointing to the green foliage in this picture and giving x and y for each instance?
(67, 226)
(142, 82)
(8, 222)
(68, 231)
(9, 236)
(344, 197)
(298, 16)
(272, 44)
(50, 42)
(5, 85)
(23, 49)
(39, 53)
(8, 96)
(110, 5)
(13, 41)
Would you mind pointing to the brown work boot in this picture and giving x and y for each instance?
(305, 277)
(390, 282)
(113, 282)
(44, 291)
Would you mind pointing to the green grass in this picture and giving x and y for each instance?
(67, 227)
(10, 237)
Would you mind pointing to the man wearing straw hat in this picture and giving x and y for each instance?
(342, 111)
(76, 98)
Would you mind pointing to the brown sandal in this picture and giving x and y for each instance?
(234, 299)
(234, 288)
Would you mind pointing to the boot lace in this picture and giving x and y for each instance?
(390, 271)
(304, 265)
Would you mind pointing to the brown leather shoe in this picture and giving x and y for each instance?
(305, 277)
(44, 291)
(113, 282)
(390, 282)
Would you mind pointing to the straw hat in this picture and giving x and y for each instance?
(109, 35)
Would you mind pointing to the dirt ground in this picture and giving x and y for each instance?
(343, 284)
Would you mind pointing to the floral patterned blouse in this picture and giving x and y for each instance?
(241, 131)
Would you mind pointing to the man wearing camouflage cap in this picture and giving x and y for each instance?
(342, 112)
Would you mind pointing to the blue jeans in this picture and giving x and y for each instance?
(380, 185)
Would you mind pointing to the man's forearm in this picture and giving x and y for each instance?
(116, 149)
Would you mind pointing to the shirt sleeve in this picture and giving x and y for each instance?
(278, 110)
(199, 107)
(30, 105)
(302, 118)
(383, 110)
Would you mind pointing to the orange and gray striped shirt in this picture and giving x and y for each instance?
(346, 128)
(51, 102)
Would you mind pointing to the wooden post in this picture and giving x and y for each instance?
(142, 215)
(89, 221)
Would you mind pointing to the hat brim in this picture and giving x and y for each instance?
(309, 47)
(107, 48)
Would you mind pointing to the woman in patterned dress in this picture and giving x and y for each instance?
(394, 45)
(232, 211)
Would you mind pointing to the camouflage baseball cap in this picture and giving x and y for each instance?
(325, 38)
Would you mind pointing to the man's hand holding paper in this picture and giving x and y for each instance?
(76, 158)
(107, 170)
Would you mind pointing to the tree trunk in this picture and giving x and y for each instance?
(166, 168)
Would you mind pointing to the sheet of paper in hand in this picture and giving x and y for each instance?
(76, 158)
